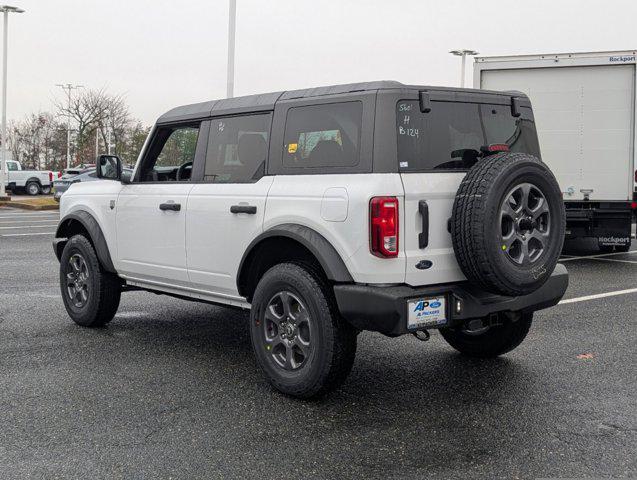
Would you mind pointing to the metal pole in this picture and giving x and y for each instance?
(3, 163)
(462, 73)
(232, 19)
(68, 129)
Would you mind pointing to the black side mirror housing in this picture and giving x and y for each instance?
(109, 167)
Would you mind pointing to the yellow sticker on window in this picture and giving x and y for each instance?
(292, 147)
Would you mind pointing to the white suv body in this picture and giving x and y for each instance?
(223, 191)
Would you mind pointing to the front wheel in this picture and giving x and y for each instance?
(300, 342)
(91, 295)
(504, 334)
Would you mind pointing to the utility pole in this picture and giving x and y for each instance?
(463, 53)
(68, 87)
(6, 9)
(232, 20)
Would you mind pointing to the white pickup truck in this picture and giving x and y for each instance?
(32, 182)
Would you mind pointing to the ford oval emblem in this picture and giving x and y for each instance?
(424, 264)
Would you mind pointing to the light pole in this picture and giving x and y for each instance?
(232, 20)
(68, 87)
(6, 9)
(463, 53)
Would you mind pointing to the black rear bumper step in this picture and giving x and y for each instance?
(384, 309)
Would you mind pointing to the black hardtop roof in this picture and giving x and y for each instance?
(266, 101)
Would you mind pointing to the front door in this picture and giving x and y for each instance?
(226, 209)
(151, 211)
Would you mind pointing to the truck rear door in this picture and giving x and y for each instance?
(585, 116)
(435, 150)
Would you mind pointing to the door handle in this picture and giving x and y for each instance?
(249, 209)
(174, 207)
(423, 237)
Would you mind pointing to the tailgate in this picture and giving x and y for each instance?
(438, 190)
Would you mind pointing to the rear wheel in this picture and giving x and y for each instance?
(32, 188)
(91, 295)
(479, 339)
(300, 342)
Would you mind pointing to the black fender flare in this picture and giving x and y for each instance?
(317, 244)
(95, 232)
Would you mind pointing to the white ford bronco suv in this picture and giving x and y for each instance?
(328, 211)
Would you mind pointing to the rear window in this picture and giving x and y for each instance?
(450, 136)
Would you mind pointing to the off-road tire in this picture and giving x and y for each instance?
(333, 339)
(497, 340)
(32, 188)
(104, 288)
(476, 224)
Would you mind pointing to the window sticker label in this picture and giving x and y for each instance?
(292, 147)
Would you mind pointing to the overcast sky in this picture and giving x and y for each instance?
(163, 53)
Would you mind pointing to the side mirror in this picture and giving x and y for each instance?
(109, 167)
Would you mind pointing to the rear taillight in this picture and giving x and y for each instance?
(383, 226)
(50, 176)
(633, 205)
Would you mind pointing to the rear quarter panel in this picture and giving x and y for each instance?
(337, 207)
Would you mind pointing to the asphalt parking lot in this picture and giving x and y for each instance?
(170, 389)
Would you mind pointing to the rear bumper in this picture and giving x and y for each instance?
(384, 309)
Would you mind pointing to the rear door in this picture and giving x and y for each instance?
(435, 150)
(585, 124)
(226, 208)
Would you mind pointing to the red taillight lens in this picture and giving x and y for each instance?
(50, 176)
(633, 205)
(383, 224)
(498, 147)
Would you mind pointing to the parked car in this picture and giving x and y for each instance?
(373, 206)
(585, 103)
(33, 182)
(86, 175)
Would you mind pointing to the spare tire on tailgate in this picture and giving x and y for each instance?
(508, 223)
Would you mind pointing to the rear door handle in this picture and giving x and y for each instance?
(249, 209)
(423, 237)
(175, 207)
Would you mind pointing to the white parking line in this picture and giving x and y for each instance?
(25, 234)
(599, 295)
(614, 260)
(28, 226)
(587, 257)
(12, 222)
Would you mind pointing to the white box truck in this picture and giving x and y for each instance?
(584, 105)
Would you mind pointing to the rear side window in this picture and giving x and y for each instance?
(237, 149)
(326, 135)
(450, 136)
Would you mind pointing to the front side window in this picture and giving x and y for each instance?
(237, 148)
(451, 135)
(172, 154)
(326, 135)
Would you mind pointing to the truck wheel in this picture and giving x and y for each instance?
(32, 188)
(300, 342)
(490, 341)
(46, 190)
(91, 295)
(508, 224)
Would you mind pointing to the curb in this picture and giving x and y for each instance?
(28, 206)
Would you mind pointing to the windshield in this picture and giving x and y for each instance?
(451, 135)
